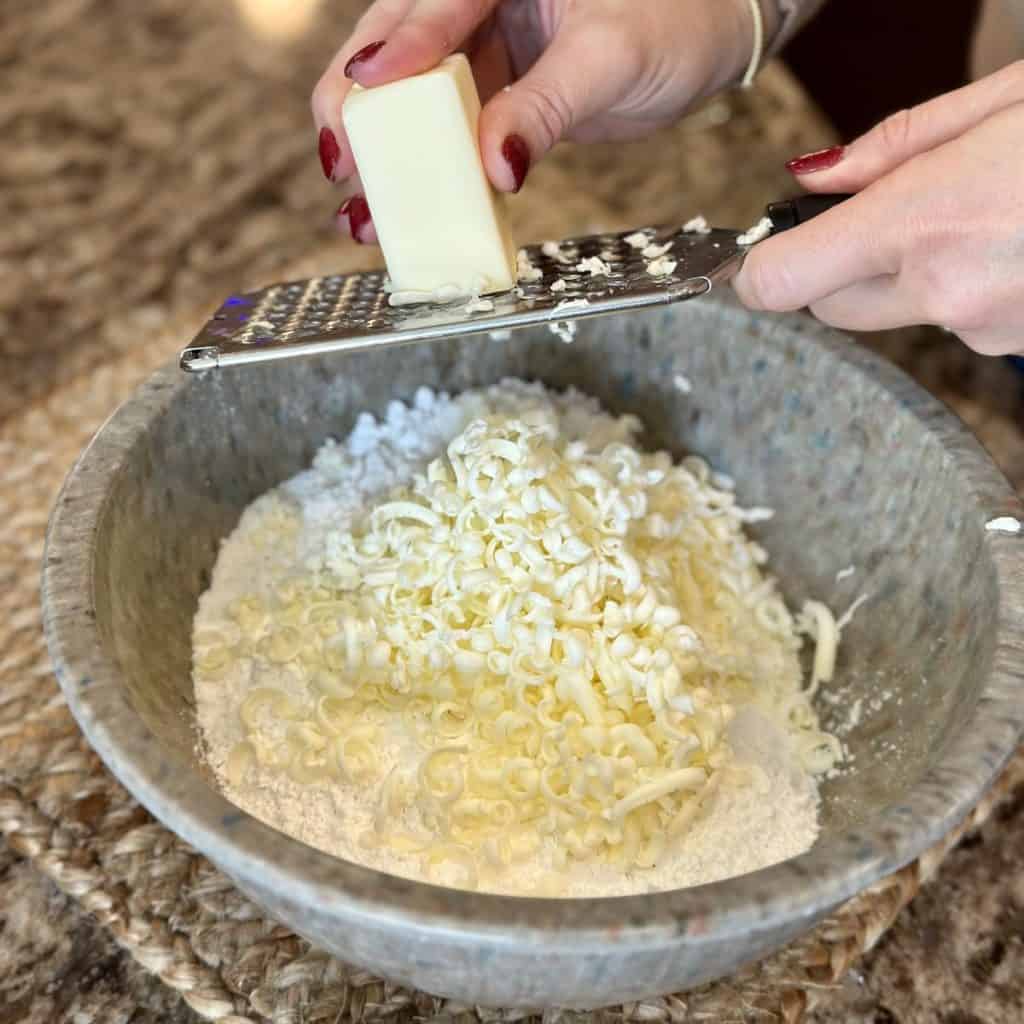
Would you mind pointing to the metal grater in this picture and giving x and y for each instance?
(350, 312)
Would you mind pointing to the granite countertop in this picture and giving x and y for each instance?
(160, 155)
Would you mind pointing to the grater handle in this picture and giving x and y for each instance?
(791, 212)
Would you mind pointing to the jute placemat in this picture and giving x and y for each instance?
(170, 908)
(157, 158)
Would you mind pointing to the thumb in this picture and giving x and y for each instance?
(565, 87)
(908, 133)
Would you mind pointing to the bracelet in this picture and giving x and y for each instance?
(758, 52)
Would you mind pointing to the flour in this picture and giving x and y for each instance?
(764, 810)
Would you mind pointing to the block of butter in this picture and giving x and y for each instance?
(440, 223)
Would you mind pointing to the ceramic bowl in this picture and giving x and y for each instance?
(862, 467)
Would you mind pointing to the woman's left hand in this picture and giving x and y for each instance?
(934, 235)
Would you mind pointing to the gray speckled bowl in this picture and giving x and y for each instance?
(862, 467)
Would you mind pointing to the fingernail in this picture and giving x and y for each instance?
(330, 152)
(517, 156)
(821, 160)
(357, 211)
(368, 51)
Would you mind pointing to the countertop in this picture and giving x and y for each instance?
(159, 155)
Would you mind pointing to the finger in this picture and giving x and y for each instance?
(877, 304)
(330, 92)
(564, 88)
(354, 219)
(489, 59)
(609, 128)
(430, 31)
(996, 341)
(908, 133)
(855, 241)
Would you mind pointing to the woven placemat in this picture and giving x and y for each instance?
(179, 916)
(157, 159)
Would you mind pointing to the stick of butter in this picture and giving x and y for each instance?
(439, 222)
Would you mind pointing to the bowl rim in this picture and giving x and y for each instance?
(254, 854)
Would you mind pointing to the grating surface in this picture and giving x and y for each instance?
(349, 311)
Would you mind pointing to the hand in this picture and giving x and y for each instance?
(599, 70)
(934, 235)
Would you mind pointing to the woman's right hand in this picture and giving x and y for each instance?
(934, 234)
(546, 70)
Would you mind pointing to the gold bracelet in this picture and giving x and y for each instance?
(758, 52)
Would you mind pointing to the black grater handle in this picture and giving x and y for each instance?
(791, 212)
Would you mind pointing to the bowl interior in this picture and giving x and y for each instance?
(854, 475)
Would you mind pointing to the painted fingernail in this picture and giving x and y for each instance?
(360, 56)
(517, 156)
(357, 212)
(330, 152)
(821, 160)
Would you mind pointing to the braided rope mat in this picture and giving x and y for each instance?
(163, 160)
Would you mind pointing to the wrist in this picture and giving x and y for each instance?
(739, 32)
(771, 11)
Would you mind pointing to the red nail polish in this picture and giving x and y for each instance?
(517, 156)
(330, 152)
(368, 51)
(821, 160)
(357, 210)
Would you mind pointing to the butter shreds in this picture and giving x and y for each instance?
(524, 661)
(661, 267)
(564, 331)
(553, 251)
(653, 252)
(446, 293)
(758, 233)
(525, 269)
(595, 266)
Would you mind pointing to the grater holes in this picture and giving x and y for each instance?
(591, 247)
